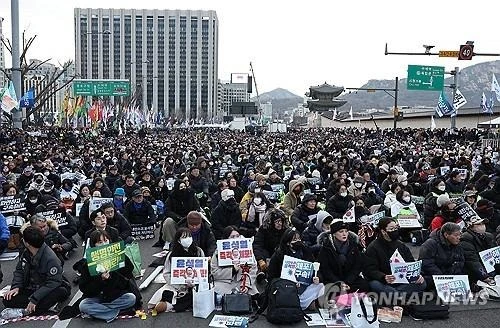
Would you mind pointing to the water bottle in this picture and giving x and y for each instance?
(8, 314)
(218, 302)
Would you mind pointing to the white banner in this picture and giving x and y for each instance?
(96, 202)
(189, 269)
(459, 100)
(235, 251)
(408, 221)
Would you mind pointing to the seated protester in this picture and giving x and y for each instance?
(200, 229)
(139, 210)
(53, 238)
(146, 193)
(116, 220)
(248, 178)
(262, 182)
(181, 201)
(446, 214)
(486, 210)
(471, 197)
(129, 186)
(340, 202)
(316, 226)
(268, 237)
(112, 177)
(258, 206)
(106, 294)
(67, 194)
(493, 194)
(391, 179)
(455, 183)
(66, 225)
(390, 196)
(274, 178)
(253, 189)
(84, 217)
(146, 179)
(371, 196)
(4, 234)
(216, 196)
(404, 205)
(49, 190)
(305, 212)
(356, 188)
(225, 214)
(378, 256)
(291, 199)
(100, 222)
(82, 196)
(119, 201)
(474, 240)
(291, 245)
(441, 253)
(33, 199)
(182, 245)
(38, 282)
(160, 190)
(341, 258)
(431, 207)
(239, 276)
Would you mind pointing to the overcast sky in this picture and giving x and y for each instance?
(295, 44)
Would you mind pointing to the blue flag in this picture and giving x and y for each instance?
(443, 107)
(28, 100)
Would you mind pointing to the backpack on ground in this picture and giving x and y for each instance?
(429, 310)
(281, 299)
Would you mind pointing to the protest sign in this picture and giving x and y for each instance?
(408, 221)
(235, 251)
(374, 218)
(452, 288)
(223, 321)
(417, 200)
(189, 269)
(68, 176)
(297, 270)
(59, 216)
(464, 210)
(406, 273)
(14, 203)
(96, 202)
(443, 170)
(143, 231)
(105, 258)
(490, 257)
(278, 187)
(396, 257)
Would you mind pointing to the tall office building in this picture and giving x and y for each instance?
(3, 80)
(170, 56)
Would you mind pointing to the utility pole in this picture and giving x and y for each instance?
(396, 110)
(454, 88)
(17, 114)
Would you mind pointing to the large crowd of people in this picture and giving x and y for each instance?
(290, 192)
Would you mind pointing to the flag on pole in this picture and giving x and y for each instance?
(443, 107)
(433, 123)
(349, 216)
(350, 113)
(28, 100)
(8, 99)
(495, 87)
(486, 107)
(459, 100)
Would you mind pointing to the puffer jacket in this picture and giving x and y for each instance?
(267, 239)
(313, 230)
(302, 215)
(290, 201)
(473, 243)
(225, 214)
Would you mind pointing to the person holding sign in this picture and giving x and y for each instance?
(378, 254)
(341, 258)
(404, 205)
(292, 245)
(441, 253)
(239, 276)
(107, 293)
(474, 240)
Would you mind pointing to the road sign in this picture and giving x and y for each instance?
(427, 78)
(466, 52)
(448, 53)
(101, 88)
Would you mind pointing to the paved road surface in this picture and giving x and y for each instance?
(487, 316)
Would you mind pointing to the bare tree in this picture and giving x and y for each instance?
(47, 86)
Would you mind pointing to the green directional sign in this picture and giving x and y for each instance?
(427, 78)
(101, 88)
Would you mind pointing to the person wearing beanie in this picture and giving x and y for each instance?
(378, 258)
(316, 225)
(305, 212)
(341, 258)
(473, 241)
(226, 213)
(119, 200)
(431, 207)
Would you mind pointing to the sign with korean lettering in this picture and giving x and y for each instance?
(297, 270)
(464, 210)
(452, 288)
(408, 221)
(58, 215)
(490, 257)
(374, 218)
(96, 202)
(406, 273)
(143, 231)
(14, 203)
(101, 87)
(428, 78)
(105, 258)
(193, 270)
(235, 251)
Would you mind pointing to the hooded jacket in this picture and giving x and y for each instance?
(181, 202)
(290, 200)
(267, 238)
(225, 214)
(313, 230)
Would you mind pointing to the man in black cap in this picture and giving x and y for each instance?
(139, 210)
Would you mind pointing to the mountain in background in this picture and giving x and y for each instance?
(472, 81)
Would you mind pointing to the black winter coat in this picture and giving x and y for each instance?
(337, 205)
(301, 216)
(139, 215)
(205, 239)
(439, 257)
(276, 262)
(378, 255)
(225, 214)
(265, 242)
(472, 243)
(180, 203)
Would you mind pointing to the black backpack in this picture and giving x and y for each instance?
(281, 300)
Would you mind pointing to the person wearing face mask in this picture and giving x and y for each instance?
(442, 254)
(371, 196)
(182, 245)
(25, 178)
(305, 212)
(447, 213)
(341, 258)
(378, 258)
(404, 205)
(292, 245)
(258, 206)
(315, 227)
(431, 207)
(356, 188)
(474, 240)
(225, 214)
(229, 278)
(339, 203)
(38, 182)
(49, 190)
